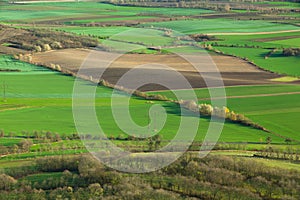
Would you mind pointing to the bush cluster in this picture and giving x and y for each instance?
(291, 52)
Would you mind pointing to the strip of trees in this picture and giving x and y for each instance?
(213, 177)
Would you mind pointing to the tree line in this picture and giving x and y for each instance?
(190, 177)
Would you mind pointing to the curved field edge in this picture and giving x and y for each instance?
(50, 96)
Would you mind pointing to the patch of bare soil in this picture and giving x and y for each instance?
(234, 71)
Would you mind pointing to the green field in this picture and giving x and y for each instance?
(278, 113)
(275, 63)
(47, 105)
(222, 25)
(95, 31)
(295, 42)
(237, 91)
(272, 40)
(87, 11)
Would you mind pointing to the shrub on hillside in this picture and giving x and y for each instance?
(291, 52)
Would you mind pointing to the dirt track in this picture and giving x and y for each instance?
(234, 71)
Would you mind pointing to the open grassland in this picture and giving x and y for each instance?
(222, 26)
(47, 101)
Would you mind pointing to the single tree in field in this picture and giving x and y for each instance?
(288, 140)
(157, 141)
(150, 144)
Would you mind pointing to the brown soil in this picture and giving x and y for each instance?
(234, 71)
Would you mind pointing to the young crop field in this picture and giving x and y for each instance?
(95, 31)
(47, 105)
(222, 26)
(267, 40)
(86, 11)
(265, 104)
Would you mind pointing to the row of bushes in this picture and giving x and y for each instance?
(216, 44)
(291, 52)
(224, 112)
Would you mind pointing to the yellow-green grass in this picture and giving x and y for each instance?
(286, 79)
(15, 163)
(284, 164)
(295, 42)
